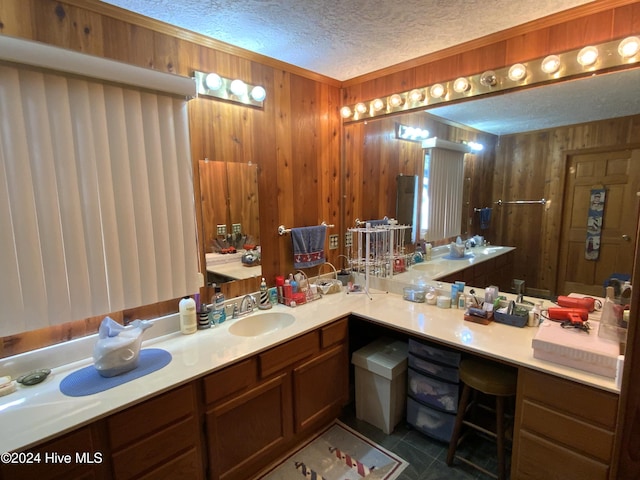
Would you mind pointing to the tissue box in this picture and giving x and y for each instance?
(575, 348)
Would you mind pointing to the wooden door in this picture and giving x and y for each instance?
(619, 173)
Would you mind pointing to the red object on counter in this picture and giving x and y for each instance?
(586, 303)
(576, 315)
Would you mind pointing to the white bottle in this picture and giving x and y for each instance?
(188, 318)
(427, 252)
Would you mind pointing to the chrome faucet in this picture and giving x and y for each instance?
(247, 304)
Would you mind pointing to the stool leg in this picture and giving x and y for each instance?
(500, 437)
(462, 407)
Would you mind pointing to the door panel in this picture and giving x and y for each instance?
(619, 173)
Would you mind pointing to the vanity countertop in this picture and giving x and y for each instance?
(33, 414)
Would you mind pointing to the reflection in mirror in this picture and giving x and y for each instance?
(230, 220)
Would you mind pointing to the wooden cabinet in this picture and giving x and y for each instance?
(159, 438)
(495, 271)
(259, 408)
(564, 430)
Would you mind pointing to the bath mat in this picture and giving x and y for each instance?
(88, 381)
(339, 453)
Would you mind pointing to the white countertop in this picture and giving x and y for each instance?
(33, 414)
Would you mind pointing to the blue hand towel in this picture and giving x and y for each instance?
(485, 218)
(308, 246)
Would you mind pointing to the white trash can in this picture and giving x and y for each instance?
(381, 383)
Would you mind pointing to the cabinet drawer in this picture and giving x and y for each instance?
(572, 398)
(450, 374)
(230, 380)
(538, 458)
(573, 433)
(335, 333)
(430, 391)
(156, 450)
(278, 358)
(429, 421)
(142, 420)
(433, 353)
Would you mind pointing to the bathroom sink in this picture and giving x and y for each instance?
(261, 324)
(428, 268)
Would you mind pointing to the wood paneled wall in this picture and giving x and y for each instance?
(294, 140)
(374, 158)
(531, 166)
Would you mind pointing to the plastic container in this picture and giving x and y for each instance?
(413, 294)
(434, 392)
(433, 353)
(217, 314)
(188, 318)
(432, 422)
(381, 383)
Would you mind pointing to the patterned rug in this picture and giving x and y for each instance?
(339, 453)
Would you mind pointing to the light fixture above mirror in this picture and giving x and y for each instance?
(232, 90)
(590, 59)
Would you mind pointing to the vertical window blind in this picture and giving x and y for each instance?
(446, 183)
(96, 199)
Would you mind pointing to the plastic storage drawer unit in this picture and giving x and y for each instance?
(381, 383)
(435, 354)
(431, 422)
(434, 392)
(449, 374)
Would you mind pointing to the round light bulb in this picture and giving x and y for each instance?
(416, 95)
(258, 93)
(395, 100)
(517, 72)
(377, 105)
(551, 64)
(629, 47)
(488, 79)
(213, 81)
(361, 108)
(437, 90)
(345, 112)
(461, 85)
(587, 56)
(238, 88)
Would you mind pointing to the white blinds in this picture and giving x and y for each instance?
(446, 182)
(96, 199)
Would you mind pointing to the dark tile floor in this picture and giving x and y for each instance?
(426, 456)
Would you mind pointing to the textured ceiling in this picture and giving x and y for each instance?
(343, 39)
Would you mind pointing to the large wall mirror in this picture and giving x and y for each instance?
(539, 144)
(230, 220)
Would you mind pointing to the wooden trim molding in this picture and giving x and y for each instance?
(202, 40)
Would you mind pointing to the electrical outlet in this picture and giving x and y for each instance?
(348, 239)
(236, 228)
(222, 230)
(333, 242)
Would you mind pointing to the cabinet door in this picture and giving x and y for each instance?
(321, 387)
(245, 431)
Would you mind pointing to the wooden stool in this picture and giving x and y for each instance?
(493, 379)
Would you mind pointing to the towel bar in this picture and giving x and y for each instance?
(282, 230)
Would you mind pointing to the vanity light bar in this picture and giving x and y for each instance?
(590, 59)
(232, 90)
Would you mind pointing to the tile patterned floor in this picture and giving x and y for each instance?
(426, 456)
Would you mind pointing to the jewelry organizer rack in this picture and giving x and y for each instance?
(379, 251)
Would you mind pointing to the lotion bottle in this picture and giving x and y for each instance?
(188, 320)
(265, 304)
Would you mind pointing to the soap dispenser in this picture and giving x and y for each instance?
(188, 321)
(265, 304)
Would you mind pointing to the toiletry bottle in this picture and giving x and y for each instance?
(188, 321)
(427, 252)
(280, 288)
(293, 283)
(203, 317)
(265, 304)
(287, 292)
(218, 315)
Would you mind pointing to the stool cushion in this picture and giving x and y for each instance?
(488, 377)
